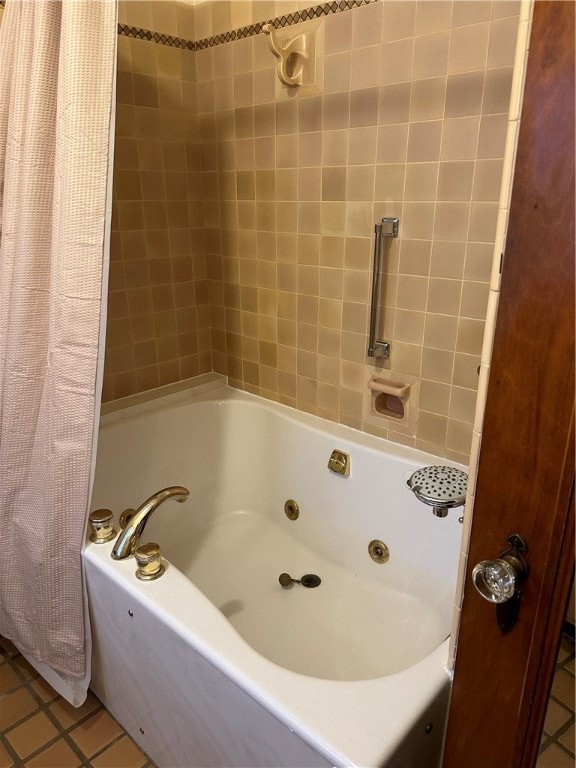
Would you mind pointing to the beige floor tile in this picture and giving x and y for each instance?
(566, 648)
(567, 739)
(31, 734)
(97, 732)
(556, 717)
(67, 715)
(15, 706)
(543, 738)
(43, 689)
(563, 688)
(122, 754)
(5, 759)
(59, 755)
(27, 670)
(554, 757)
(8, 678)
(8, 647)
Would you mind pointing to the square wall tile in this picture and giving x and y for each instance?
(464, 94)
(424, 141)
(432, 16)
(338, 33)
(365, 67)
(502, 42)
(396, 63)
(428, 98)
(431, 55)
(398, 20)
(228, 187)
(468, 48)
(421, 181)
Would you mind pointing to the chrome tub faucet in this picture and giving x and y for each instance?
(133, 522)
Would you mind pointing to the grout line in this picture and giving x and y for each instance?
(562, 747)
(550, 739)
(562, 730)
(10, 750)
(554, 738)
(63, 732)
(563, 664)
(545, 743)
(12, 690)
(561, 703)
(22, 720)
(45, 708)
(115, 740)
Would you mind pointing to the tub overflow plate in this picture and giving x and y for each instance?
(339, 463)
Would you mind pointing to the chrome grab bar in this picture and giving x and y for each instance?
(387, 228)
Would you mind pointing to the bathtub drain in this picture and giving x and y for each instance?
(309, 580)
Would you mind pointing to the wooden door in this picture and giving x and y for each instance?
(526, 470)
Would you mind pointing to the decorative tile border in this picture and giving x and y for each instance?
(326, 9)
(156, 37)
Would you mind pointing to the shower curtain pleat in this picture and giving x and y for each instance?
(57, 69)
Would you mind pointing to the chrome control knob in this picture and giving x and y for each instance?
(495, 580)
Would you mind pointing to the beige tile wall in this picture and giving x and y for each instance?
(214, 18)
(172, 17)
(266, 278)
(158, 308)
(410, 120)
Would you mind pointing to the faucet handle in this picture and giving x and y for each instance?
(126, 516)
(149, 559)
(101, 523)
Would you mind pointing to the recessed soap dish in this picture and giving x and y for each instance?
(389, 398)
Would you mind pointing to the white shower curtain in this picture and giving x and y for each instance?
(57, 67)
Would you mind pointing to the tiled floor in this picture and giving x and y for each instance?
(39, 729)
(557, 746)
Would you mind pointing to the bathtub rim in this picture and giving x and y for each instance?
(215, 387)
(389, 713)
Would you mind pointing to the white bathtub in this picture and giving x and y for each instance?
(214, 664)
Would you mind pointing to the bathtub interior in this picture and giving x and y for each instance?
(242, 459)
